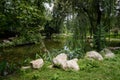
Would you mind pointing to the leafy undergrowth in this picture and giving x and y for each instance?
(108, 69)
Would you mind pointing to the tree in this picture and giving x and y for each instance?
(19, 15)
(97, 13)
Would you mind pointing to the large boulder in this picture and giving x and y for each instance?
(94, 55)
(107, 53)
(36, 64)
(72, 64)
(60, 60)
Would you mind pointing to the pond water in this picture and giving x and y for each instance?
(18, 54)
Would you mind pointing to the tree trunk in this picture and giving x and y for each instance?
(97, 27)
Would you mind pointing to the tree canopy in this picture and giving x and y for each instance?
(84, 16)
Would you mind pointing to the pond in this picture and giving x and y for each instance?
(18, 54)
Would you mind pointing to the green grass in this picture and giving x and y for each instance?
(108, 69)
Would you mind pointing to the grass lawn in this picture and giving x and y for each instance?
(108, 69)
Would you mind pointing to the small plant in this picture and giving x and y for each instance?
(78, 53)
(40, 55)
(35, 77)
(26, 61)
(37, 56)
(75, 53)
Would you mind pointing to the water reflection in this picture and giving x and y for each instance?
(18, 54)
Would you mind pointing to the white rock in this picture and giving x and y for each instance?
(6, 41)
(107, 53)
(60, 60)
(38, 63)
(72, 64)
(111, 55)
(94, 55)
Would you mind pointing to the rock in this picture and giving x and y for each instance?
(114, 48)
(72, 64)
(60, 60)
(6, 41)
(111, 55)
(94, 55)
(36, 64)
(107, 53)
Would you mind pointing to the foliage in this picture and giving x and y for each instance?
(100, 38)
(22, 17)
(89, 16)
(76, 53)
(6, 68)
(88, 65)
(35, 77)
(79, 17)
(55, 77)
(27, 38)
(82, 18)
(25, 13)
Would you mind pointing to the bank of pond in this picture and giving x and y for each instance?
(107, 69)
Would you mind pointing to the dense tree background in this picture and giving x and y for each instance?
(83, 18)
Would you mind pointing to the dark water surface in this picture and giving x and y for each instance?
(18, 54)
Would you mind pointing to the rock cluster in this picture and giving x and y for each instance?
(61, 61)
(105, 53)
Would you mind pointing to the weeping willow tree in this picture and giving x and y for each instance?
(98, 13)
(118, 13)
(79, 29)
(93, 16)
